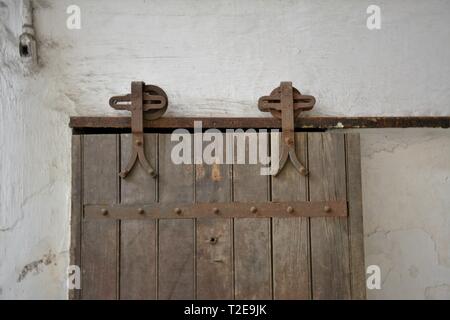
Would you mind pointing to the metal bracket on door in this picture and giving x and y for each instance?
(145, 101)
(286, 103)
(158, 210)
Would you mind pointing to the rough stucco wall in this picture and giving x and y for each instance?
(34, 173)
(216, 58)
(406, 188)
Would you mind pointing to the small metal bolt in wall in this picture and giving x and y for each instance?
(253, 210)
(216, 211)
(104, 212)
(327, 209)
(290, 209)
(177, 211)
(27, 40)
(141, 211)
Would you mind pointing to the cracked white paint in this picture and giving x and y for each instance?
(406, 211)
(216, 59)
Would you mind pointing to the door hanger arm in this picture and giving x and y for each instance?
(286, 103)
(145, 101)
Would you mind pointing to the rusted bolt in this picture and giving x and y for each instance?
(177, 211)
(124, 174)
(138, 142)
(141, 211)
(303, 172)
(290, 209)
(216, 210)
(104, 212)
(327, 209)
(253, 210)
(289, 141)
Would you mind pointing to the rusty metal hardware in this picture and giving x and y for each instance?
(145, 102)
(81, 125)
(227, 210)
(27, 40)
(286, 103)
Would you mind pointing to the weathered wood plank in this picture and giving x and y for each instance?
(329, 236)
(176, 276)
(291, 267)
(76, 208)
(138, 252)
(99, 239)
(355, 218)
(252, 237)
(214, 236)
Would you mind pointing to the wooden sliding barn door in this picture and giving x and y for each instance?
(216, 257)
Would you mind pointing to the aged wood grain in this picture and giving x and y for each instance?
(176, 277)
(99, 240)
(291, 267)
(214, 235)
(252, 237)
(329, 236)
(76, 208)
(355, 218)
(138, 254)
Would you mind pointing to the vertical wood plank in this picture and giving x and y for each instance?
(99, 239)
(329, 236)
(291, 267)
(252, 236)
(214, 235)
(355, 218)
(176, 277)
(138, 237)
(76, 208)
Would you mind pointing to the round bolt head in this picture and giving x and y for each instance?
(141, 211)
(123, 174)
(303, 172)
(327, 209)
(253, 210)
(138, 142)
(104, 212)
(290, 141)
(177, 210)
(290, 209)
(216, 211)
